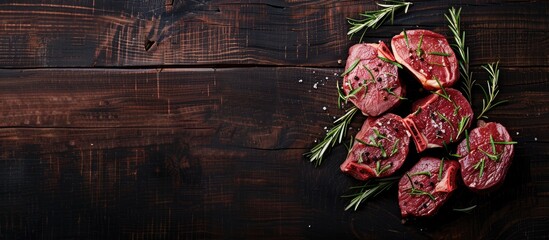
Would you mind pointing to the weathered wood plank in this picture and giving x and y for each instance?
(212, 153)
(306, 33)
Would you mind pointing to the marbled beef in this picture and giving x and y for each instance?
(485, 156)
(438, 118)
(372, 85)
(428, 56)
(427, 186)
(380, 148)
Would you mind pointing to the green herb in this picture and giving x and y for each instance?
(333, 137)
(419, 51)
(390, 91)
(360, 160)
(395, 148)
(365, 143)
(462, 126)
(418, 110)
(480, 165)
(415, 191)
(374, 19)
(436, 64)
(494, 155)
(379, 169)
(491, 91)
(439, 54)
(351, 68)
(369, 190)
(463, 51)
(426, 173)
(379, 135)
(390, 61)
(370, 72)
(406, 39)
(465, 210)
(440, 169)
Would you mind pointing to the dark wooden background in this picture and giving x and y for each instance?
(176, 119)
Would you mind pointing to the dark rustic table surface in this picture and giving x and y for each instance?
(175, 119)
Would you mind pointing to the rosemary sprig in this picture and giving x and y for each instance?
(491, 91)
(374, 19)
(333, 137)
(369, 190)
(459, 38)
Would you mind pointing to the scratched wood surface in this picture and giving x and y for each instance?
(174, 119)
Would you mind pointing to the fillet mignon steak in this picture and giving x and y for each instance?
(439, 119)
(485, 156)
(380, 148)
(372, 85)
(427, 186)
(428, 56)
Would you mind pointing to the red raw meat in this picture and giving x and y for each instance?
(421, 192)
(380, 148)
(493, 159)
(379, 79)
(435, 120)
(428, 56)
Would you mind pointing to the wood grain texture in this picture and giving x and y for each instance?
(175, 119)
(305, 33)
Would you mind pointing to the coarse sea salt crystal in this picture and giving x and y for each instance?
(300, 80)
(324, 108)
(315, 86)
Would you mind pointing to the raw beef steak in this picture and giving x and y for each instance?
(372, 84)
(428, 56)
(485, 156)
(427, 186)
(380, 148)
(439, 119)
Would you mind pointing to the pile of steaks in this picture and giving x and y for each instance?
(380, 148)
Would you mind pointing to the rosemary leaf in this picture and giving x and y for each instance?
(406, 39)
(390, 61)
(351, 68)
(439, 54)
